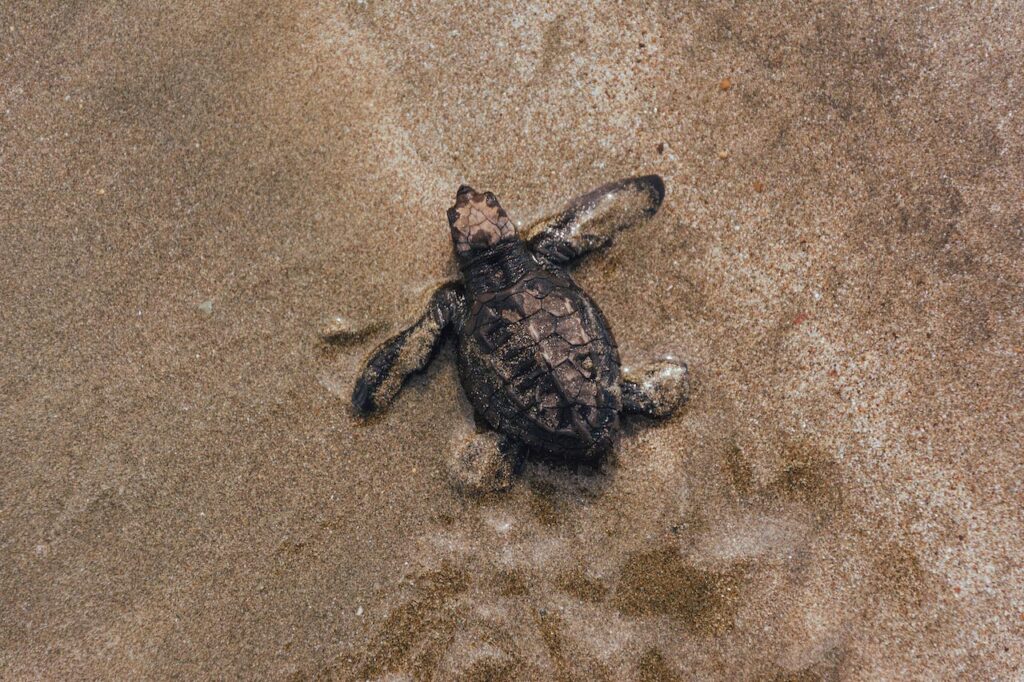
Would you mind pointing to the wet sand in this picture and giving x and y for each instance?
(186, 193)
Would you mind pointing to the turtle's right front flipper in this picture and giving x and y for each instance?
(409, 352)
(590, 221)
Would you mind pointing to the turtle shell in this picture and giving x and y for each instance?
(539, 363)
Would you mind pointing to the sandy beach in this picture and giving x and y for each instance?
(187, 193)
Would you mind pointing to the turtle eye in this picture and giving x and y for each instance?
(491, 200)
(453, 215)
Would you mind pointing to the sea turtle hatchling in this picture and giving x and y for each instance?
(535, 355)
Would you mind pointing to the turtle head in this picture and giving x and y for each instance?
(478, 223)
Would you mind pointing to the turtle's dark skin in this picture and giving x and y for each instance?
(535, 355)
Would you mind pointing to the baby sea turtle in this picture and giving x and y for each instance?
(535, 355)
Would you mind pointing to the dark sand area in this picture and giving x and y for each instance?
(185, 193)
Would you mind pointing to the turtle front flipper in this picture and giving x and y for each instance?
(409, 352)
(590, 222)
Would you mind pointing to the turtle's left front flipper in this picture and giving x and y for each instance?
(410, 351)
(590, 222)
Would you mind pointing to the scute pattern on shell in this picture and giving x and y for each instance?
(539, 363)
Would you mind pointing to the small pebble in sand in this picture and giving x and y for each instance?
(359, 611)
(340, 330)
(723, 155)
(725, 84)
(335, 385)
(661, 147)
(758, 186)
(206, 307)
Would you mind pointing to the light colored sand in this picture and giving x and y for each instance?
(183, 494)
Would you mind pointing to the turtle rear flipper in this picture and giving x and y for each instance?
(485, 463)
(656, 391)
